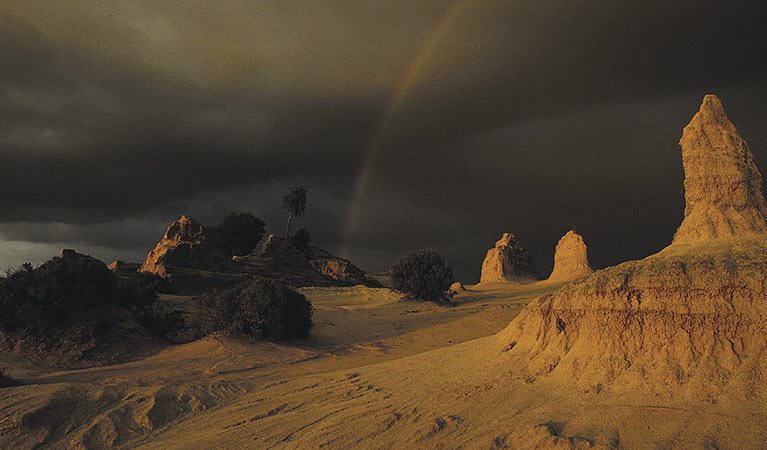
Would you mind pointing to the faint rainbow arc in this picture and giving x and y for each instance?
(399, 94)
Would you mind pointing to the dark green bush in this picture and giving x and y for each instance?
(238, 234)
(139, 293)
(300, 238)
(59, 304)
(261, 309)
(422, 275)
(6, 380)
(66, 304)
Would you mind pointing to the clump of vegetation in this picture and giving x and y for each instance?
(60, 304)
(238, 234)
(300, 238)
(6, 380)
(67, 305)
(422, 275)
(138, 293)
(294, 200)
(260, 309)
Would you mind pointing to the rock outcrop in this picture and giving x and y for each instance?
(690, 321)
(121, 268)
(183, 246)
(508, 261)
(193, 264)
(723, 187)
(302, 266)
(571, 259)
(457, 287)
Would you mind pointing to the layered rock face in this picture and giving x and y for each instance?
(689, 321)
(183, 247)
(571, 259)
(185, 256)
(304, 266)
(508, 261)
(723, 187)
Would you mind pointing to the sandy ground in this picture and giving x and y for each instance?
(377, 372)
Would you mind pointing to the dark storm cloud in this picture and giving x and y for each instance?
(123, 146)
(529, 117)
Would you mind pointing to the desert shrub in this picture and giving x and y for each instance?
(300, 238)
(161, 319)
(66, 304)
(260, 308)
(139, 293)
(6, 380)
(58, 304)
(140, 289)
(238, 234)
(422, 275)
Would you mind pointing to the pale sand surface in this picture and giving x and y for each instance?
(377, 372)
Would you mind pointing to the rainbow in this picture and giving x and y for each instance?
(411, 75)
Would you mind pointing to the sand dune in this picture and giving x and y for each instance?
(218, 379)
(378, 373)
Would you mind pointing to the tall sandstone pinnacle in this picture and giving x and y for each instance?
(508, 261)
(571, 259)
(723, 187)
(687, 322)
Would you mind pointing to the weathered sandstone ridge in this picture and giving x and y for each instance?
(508, 261)
(690, 320)
(193, 264)
(723, 187)
(571, 259)
(302, 266)
(183, 247)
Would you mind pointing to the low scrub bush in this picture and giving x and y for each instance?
(60, 304)
(261, 309)
(300, 238)
(6, 380)
(422, 275)
(238, 234)
(68, 303)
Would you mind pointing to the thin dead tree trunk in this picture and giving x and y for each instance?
(287, 229)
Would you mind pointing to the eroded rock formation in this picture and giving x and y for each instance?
(508, 261)
(183, 247)
(571, 259)
(302, 266)
(723, 187)
(690, 320)
(457, 287)
(122, 268)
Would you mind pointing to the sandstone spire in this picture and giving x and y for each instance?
(685, 321)
(723, 187)
(570, 258)
(508, 261)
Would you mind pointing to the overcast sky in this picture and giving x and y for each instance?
(483, 117)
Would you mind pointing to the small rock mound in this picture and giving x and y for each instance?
(508, 261)
(689, 321)
(571, 258)
(183, 246)
(723, 187)
(457, 287)
(121, 268)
